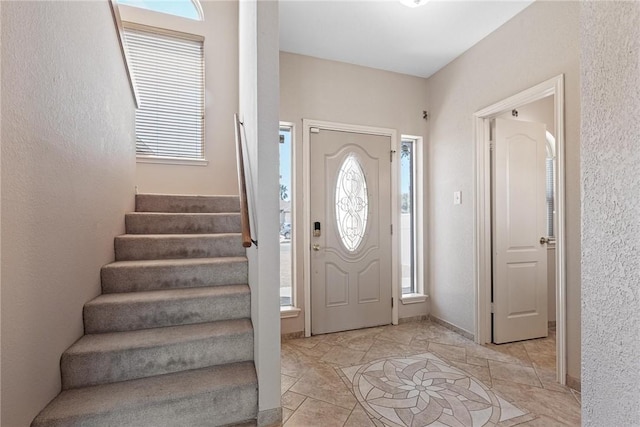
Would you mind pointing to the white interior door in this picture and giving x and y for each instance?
(351, 249)
(519, 230)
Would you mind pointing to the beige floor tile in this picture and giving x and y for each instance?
(286, 414)
(439, 334)
(400, 334)
(324, 383)
(383, 348)
(418, 347)
(577, 395)
(291, 400)
(286, 382)
(317, 413)
(316, 351)
(516, 349)
(482, 352)
(479, 361)
(359, 418)
(294, 363)
(542, 352)
(542, 421)
(561, 407)
(342, 356)
(359, 343)
(308, 342)
(449, 352)
(480, 372)
(514, 373)
(548, 379)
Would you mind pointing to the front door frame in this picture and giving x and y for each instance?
(307, 124)
(482, 212)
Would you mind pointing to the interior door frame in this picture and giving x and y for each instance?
(482, 212)
(307, 124)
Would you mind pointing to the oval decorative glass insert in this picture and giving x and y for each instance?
(352, 203)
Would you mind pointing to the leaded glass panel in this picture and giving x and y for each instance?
(352, 203)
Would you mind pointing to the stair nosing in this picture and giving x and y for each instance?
(110, 339)
(183, 261)
(130, 297)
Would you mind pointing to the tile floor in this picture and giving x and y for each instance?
(419, 374)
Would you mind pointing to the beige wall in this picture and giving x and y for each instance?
(220, 30)
(318, 89)
(539, 43)
(67, 180)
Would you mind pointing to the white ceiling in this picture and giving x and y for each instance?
(388, 35)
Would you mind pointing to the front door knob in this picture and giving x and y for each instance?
(316, 247)
(543, 240)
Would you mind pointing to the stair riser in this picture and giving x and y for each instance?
(206, 397)
(185, 204)
(182, 224)
(151, 278)
(141, 315)
(81, 370)
(144, 248)
(219, 408)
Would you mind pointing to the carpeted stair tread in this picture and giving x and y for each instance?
(181, 223)
(175, 246)
(146, 275)
(211, 396)
(120, 356)
(153, 309)
(186, 203)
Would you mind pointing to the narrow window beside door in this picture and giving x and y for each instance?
(286, 203)
(408, 216)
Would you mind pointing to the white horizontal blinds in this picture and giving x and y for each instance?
(169, 73)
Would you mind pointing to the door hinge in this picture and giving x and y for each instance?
(391, 228)
(493, 309)
(391, 153)
(491, 146)
(391, 302)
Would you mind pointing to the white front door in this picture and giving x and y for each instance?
(519, 223)
(351, 230)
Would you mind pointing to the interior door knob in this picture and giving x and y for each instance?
(316, 247)
(543, 240)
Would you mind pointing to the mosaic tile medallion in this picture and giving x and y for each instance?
(424, 390)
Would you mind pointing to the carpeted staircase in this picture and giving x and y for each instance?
(170, 341)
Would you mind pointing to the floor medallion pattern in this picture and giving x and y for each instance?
(424, 390)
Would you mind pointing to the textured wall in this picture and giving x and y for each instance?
(610, 156)
(259, 98)
(313, 88)
(539, 43)
(220, 30)
(67, 179)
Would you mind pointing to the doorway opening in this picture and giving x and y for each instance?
(503, 273)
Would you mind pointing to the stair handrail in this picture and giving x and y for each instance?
(247, 240)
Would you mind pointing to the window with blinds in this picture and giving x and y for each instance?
(169, 75)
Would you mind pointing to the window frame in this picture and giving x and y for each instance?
(419, 293)
(293, 310)
(174, 160)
